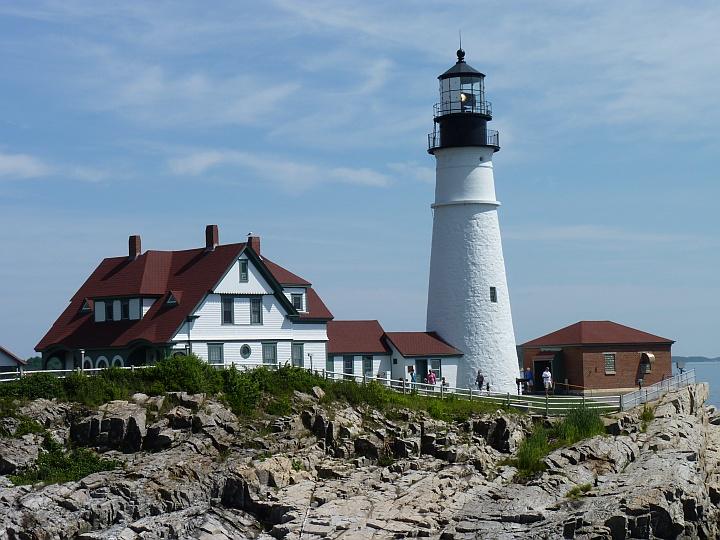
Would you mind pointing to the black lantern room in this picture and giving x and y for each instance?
(462, 115)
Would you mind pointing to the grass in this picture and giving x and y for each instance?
(580, 423)
(578, 491)
(297, 465)
(57, 466)
(647, 416)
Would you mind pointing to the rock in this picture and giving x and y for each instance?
(318, 392)
(17, 454)
(117, 424)
(47, 413)
(180, 417)
(191, 401)
(369, 446)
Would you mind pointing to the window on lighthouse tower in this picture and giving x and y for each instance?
(493, 294)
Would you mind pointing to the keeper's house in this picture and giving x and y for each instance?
(9, 361)
(364, 348)
(599, 355)
(227, 304)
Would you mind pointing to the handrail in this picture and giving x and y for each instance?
(657, 390)
(492, 138)
(454, 107)
(529, 403)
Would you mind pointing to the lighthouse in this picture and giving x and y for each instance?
(468, 299)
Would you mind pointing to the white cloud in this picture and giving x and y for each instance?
(419, 173)
(286, 173)
(22, 166)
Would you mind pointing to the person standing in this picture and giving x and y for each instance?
(479, 380)
(547, 380)
(529, 380)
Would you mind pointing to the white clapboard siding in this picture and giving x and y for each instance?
(310, 332)
(230, 283)
(289, 291)
(146, 305)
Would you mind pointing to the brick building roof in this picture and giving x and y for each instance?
(188, 274)
(595, 333)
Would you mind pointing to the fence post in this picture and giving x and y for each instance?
(404, 384)
(622, 408)
(470, 392)
(546, 405)
(508, 400)
(583, 399)
(364, 379)
(442, 391)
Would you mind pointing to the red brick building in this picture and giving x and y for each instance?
(598, 355)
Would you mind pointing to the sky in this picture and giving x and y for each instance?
(306, 123)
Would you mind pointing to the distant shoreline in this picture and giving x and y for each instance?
(694, 359)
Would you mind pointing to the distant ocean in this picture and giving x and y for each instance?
(708, 372)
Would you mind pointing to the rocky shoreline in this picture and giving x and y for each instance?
(192, 469)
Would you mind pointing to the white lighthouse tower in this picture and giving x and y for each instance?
(468, 300)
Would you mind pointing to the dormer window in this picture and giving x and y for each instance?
(297, 301)
(125, 309)
(85, 308)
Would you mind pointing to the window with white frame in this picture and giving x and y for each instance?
(348, 365)
(243, 271)
(228, 311)
(256, 311)
(436, 367)
(298, 353)
(368, 365)
(609, 363)
(269, 353)
(215, 353)
(297, 301)
(330, 363)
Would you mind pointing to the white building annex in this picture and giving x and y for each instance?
(228, 304)
(10, 361)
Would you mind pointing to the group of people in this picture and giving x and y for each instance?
(526, 380)
(429, 378)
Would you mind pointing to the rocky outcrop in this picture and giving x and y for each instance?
(191, 469)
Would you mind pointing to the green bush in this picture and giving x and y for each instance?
(279, 407)
(27, 426)
(185, 374)
(37, 385)
(580, 423)
(242, 392)
(56, 466)
(532, 451)
(578, 491)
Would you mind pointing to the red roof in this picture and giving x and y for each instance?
(189, 273)
(283, 276)
(347, 337)
(595, 333)
(421, 344)
(12, 356)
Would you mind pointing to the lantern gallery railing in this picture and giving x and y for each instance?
(468, 105)
(492, 138)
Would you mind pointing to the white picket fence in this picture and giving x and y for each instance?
(548, 405)
(657, 390)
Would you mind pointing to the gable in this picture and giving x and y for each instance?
(231, 284)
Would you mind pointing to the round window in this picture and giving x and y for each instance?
(245, 351)
(54, 363)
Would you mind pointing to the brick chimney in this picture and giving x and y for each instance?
(212, 237)
(134, 247)
(253, 242)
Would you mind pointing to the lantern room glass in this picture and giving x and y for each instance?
(464, 93)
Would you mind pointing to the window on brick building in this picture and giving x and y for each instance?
(609, 363)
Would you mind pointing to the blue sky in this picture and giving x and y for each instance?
(306, 123)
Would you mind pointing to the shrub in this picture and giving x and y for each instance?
(578, 491)
(27, 426)
(242, 392)
(186, 374)
(279, 407)
(55, 466)
(646, 417)
(297, 465)
(37, 385)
